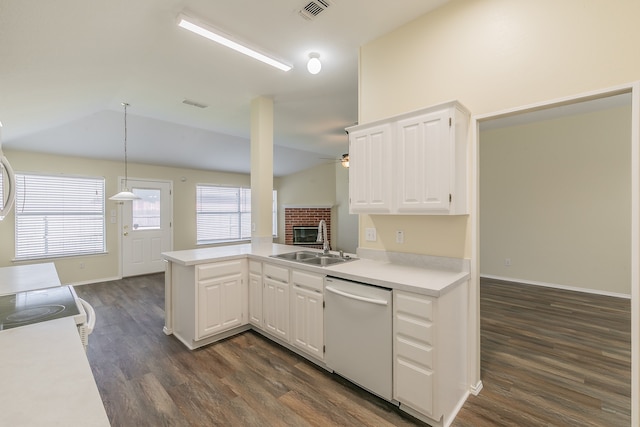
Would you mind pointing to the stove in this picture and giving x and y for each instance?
(25, 308)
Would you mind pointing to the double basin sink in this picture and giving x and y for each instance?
(314, 258)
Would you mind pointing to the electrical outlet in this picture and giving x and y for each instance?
(507, 262)
(370, 234)
(399, 236)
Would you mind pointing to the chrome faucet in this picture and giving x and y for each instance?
(322, 236)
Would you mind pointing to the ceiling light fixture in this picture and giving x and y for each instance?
(213, 34)
(125, 194)
(345, 160)
(314, 65)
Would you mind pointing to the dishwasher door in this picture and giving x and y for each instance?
(358, 336)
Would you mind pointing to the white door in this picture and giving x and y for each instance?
(146, 227)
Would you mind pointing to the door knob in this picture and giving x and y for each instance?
(126, 233)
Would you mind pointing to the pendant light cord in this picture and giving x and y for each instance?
(126, 181)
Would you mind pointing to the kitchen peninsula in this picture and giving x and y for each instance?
(214, 293)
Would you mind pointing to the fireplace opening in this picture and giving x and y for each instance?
(305, 235)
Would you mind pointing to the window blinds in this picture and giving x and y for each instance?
(224, 214)
(59, 216)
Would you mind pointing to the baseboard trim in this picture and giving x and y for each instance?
(475, 389)
(556, 286)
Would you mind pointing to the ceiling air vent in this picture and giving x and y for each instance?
(194, 103)
(314, 8)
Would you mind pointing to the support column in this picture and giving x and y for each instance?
(261, 171)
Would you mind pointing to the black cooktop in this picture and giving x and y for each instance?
(25, 308)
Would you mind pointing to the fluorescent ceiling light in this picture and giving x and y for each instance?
(216, 36)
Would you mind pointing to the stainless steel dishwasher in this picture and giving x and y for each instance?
(358, 334)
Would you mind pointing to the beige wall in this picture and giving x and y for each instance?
(323, 185)
(347, 224)
(107, 266)
(312, 187)
(491, 55)
(315, 186)
(555, 199)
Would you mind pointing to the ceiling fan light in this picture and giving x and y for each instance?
(314, 65)
(345, 160)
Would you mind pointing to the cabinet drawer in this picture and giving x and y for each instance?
(218, 269)
(414, 386)
(415, 329)
(418, 353)
(416, 305)
(277, 273)
(307, 280)
(255, 267)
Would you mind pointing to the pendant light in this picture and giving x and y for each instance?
(125, 194)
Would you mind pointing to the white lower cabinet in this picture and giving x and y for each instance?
(255, 293)
(275, 301)
(220, 297)
(413, 351)
(429, 354)
(307, 316)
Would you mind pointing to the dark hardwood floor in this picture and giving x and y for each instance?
(549, 358)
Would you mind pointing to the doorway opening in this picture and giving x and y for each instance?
(500, 263)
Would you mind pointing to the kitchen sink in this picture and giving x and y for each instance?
(326, 260)
(297, 256)
(314, 258)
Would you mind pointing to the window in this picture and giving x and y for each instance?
(59, 216)
(146, 209)
(224, 214)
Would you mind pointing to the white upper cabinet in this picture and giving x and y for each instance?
(415, 163)
(370, 175)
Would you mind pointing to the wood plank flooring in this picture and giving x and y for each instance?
(549, 358)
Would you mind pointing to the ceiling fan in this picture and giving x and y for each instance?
(343, 160)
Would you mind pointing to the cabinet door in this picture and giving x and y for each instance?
(276, 307)
(424, 163)
(370, 170)
(220, 304)
(255, 299)
(307, 321)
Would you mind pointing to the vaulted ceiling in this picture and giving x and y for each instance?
(66, 66)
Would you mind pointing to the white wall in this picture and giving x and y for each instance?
(555, 200)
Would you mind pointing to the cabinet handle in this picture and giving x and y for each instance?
(307, 288)
(356, 297)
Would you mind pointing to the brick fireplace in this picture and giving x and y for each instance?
(305, 217)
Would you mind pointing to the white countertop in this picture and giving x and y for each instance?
(23, 278)
(428, 281)
(46, 378)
